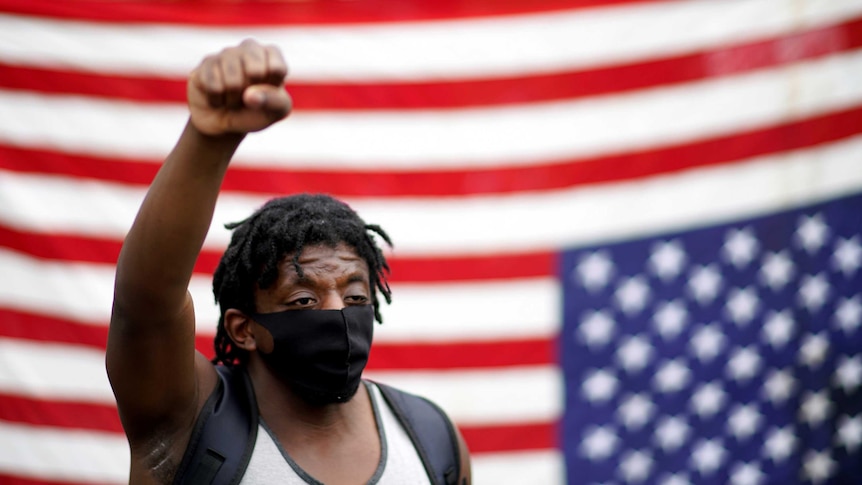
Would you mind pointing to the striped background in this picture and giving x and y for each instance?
(484, 136)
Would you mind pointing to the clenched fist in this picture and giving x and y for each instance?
(239, 90)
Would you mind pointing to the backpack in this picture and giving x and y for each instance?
(223, 438)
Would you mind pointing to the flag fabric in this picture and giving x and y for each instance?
(627, 232)
(727, 354)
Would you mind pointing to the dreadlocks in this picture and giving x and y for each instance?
(285, 226)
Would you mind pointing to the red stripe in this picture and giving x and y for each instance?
(63, 247)
(512, 437)
(560, 174)
(31, 326)
(283, 13)
(384, 356)
(459, 355)
(487, 266)
(60, 414)
(484, 438)
(728, 60)
(10, 479)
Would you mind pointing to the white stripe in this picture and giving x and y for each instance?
(438, 139)
(93, 457)
(506, 395)
(523, 308)
(54, 371)
(71, 373)
(71, 291)
(521, 468)
(508, 45)
(64, 455)
(529, 221)
(77, 206)
(424, 312)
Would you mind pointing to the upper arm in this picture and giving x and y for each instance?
(151, 360)
(159, 380)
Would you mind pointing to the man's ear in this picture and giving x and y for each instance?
(241, 329)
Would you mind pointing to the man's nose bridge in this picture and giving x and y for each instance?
(332, 301)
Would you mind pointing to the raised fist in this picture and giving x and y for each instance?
(239, 90)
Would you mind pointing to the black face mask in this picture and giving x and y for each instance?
(320, 354)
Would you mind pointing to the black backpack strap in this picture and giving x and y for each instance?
(224, 434)
(431, 432)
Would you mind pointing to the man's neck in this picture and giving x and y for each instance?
(286, 413)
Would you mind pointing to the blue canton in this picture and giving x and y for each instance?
(719, 355)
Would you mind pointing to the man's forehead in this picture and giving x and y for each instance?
(340, 257)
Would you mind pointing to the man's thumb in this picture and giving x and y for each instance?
(273, 99)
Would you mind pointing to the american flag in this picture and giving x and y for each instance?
(627, 232)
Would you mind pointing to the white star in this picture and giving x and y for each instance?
(849, 373)
(671, 433)
(742, 305)
(813, 292)
(667, 259)
(744, 363)
(814, 349)
(597, 328)
(707, 342)
(595, 270)
(777, 270)
(635, 353)
(744, 421)
(779, 386)
(779, 444)
(708, 399)
(848, 314)
(746, 474)
(672, 376)
(632, 295)
(708, 456)
(675, 479)
(818, 466)
(635, 466)
(670, 319)
(812, 233)
(850, 432)
(599, 443)
(704, 283)
(847, 257)
(778, 328)
(635, 411)
(815, 407)
(600, 385)
(740, 247)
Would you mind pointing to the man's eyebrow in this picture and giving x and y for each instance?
(357, 277)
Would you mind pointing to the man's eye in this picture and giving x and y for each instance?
(302, 302)
(357, 299)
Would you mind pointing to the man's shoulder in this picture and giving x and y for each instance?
(430, 429)
(224, 433)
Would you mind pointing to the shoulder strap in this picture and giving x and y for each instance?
(224, 434)
(431, 432)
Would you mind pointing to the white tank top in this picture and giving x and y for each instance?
(399, 463)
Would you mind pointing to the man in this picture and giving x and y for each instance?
(299, 274)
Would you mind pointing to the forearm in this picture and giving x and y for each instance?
(160, 250)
